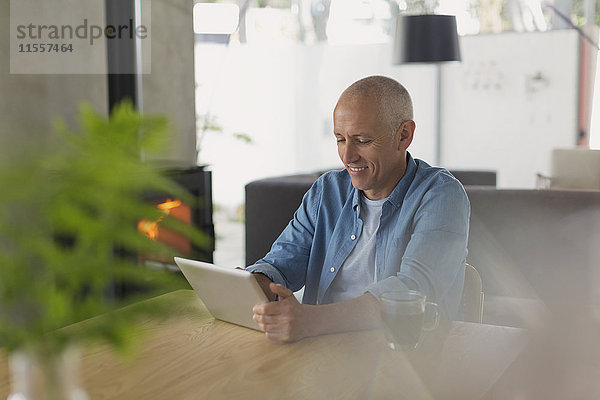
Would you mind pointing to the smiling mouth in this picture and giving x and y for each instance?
(357, 169)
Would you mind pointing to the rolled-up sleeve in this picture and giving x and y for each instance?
(268, 270)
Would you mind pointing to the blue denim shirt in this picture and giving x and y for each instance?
(421, 243)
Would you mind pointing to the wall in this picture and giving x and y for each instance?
(169, 88)
(29, 103)
(324, 71)
(283, 97)
(511, 101)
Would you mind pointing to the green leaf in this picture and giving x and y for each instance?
(68, 229)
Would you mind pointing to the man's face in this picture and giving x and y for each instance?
(374, 158)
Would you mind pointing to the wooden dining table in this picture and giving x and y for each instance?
(191, 355)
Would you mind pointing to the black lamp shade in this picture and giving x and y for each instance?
(426, 39)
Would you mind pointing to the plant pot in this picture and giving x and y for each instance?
(34, 377)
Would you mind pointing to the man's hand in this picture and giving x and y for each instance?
(285, 320)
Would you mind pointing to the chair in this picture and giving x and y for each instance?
(472, 296)
(577, 168)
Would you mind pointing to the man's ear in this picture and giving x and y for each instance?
(405, 134)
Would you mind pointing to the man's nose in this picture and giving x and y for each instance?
(349, 153)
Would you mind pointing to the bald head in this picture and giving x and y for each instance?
(394, 103)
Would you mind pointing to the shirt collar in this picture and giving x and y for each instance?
(397, 195)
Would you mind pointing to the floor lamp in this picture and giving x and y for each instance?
(431, 39)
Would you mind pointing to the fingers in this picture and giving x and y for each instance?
(280, 320)
(268, 328)
(280, 290)
(279, 337)
(273, 319)
(271, 308)
(279, 324)
(273, 327)
(277, 333)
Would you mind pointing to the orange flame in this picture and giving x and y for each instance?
(167, 205)
(150, 228)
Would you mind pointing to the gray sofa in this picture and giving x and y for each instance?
(530, 246)
(537, 251)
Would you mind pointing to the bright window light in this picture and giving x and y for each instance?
(212, 18)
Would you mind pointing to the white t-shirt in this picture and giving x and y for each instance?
(358, 270)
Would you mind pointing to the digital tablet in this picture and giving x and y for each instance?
(228, 293)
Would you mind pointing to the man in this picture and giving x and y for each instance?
(386, 222)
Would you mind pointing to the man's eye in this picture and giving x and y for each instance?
(364, 141)
(340, 140)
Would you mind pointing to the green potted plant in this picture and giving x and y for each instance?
(68, 231)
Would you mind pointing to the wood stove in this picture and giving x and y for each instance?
(197, 181)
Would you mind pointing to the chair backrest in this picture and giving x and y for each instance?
(472, 296)
(575, 169)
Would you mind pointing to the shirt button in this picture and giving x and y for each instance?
(332, 269)
(353, 237)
